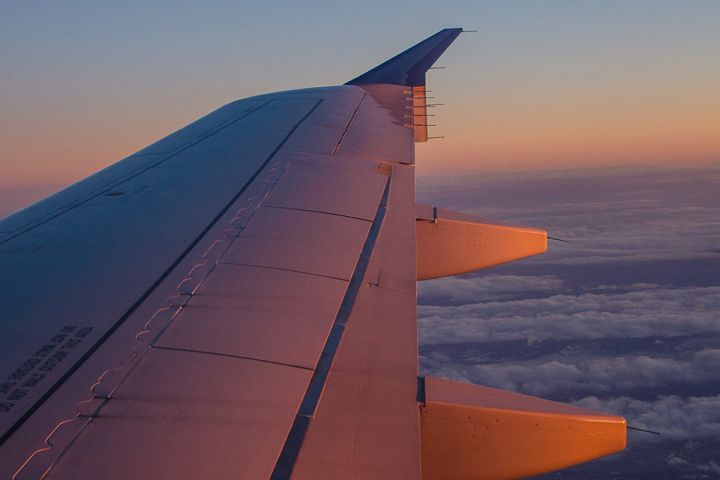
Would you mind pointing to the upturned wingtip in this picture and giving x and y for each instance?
(409, 67)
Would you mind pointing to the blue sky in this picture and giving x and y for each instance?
(542, 84)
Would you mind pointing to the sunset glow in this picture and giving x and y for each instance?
(552, 86)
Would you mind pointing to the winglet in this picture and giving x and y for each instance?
(409, 67)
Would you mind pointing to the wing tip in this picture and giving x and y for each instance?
(409, 67)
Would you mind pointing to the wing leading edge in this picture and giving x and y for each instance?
(239, 299)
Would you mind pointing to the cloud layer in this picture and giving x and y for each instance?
(674, 417)
(591, 374)
(645, 310)
(625, 319)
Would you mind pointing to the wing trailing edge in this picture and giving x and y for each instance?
(409, 67)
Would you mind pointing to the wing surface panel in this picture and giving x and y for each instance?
(259, 313)
(299, 240)
(370, 391)
(350, 186)
(158, 214)
(323, 132)
(381, 128)
(257, 308)
(188, 415)
(151, 156)
(105, 253)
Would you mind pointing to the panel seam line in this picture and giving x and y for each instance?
(130, 175)
(308, 406)
(230, 355)
(240, 264)
(318, 211)
(15, 426)
(347, 128)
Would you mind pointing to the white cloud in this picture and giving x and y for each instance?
(597, 374)
(609, 215)
(638, 313)
(676, 418)
(486, 287)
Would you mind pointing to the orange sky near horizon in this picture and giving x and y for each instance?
(558, 86)
(663, 112)
(525, 131)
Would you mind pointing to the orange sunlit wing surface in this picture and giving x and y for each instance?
(451, 243)
(238, 299)
(470, 431)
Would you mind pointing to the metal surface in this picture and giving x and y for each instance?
(298, 240)
(419, 114)
(470, 431)
(450, 243)
(409, 67)
(379, 129)
(370, 392)
(108, 262)
(323, 132)
(332, 184)
(184, 415)
(265, 314)
(105, 180)
(70, 279)
(289, 454)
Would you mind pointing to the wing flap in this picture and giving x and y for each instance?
(470, 431)
(450, 243)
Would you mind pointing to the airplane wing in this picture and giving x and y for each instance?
(238, 300)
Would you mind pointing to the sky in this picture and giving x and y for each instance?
(541, 85)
